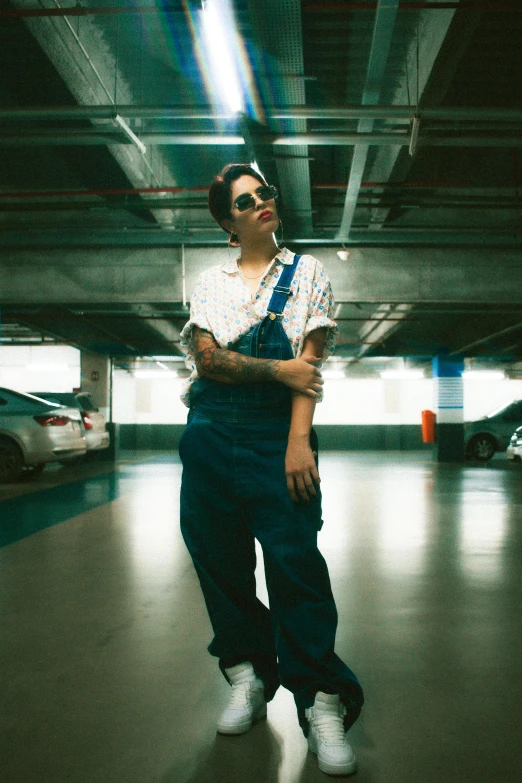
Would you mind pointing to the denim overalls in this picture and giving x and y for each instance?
(234, 491)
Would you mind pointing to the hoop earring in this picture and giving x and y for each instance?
(234, 240)
(232, 245)
(280, 226)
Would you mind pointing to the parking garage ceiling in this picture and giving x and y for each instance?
(384, 124)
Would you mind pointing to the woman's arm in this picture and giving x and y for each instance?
(232, 367)
(301, 471)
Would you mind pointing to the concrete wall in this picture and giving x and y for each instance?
(372, 274)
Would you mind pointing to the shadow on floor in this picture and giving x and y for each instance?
(257, 757)
(252, 758)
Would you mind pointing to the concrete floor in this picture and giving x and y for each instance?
(104, 675)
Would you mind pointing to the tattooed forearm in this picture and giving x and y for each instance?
(227, 366)
(235, 366)
(301, 374)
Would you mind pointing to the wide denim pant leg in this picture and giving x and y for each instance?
(218, 537)
(244, 495)
(302, 605)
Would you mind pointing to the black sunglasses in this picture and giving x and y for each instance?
(246, 200)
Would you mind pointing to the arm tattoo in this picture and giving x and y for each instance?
(222, 364)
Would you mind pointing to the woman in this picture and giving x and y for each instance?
(259, 327)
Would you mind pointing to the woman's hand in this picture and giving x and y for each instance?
(302, 375)
(300, 468)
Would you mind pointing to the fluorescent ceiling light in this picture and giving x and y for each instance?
(221, 44)
(168, 358)
(155, 374)
(484, 375)
(402, 374)
(130, 134)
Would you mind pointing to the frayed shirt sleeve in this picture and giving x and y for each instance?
(321, 309)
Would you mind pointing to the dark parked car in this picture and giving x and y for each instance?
(492, 433)
(93, 422)
(34, 431)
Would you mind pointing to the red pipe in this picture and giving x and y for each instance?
(105, 192)
(434, 184)
(139, 191)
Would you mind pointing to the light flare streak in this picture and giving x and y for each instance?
(221, 43)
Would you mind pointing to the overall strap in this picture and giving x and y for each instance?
(282, 291)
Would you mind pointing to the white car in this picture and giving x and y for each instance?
(93, 421)
(514, 450)
(34, 431)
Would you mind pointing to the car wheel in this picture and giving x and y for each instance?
(482, 447)
(11, 460)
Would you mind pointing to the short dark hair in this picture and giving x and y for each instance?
(220, 191)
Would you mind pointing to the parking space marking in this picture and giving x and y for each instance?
(27, 514)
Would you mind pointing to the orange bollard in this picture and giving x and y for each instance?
(428, 426)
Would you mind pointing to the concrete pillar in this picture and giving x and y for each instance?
(96, 380)
(449, 407)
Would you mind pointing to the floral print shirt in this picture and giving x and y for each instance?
(223, 305)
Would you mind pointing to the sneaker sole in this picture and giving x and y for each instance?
(332, 769)
(242, 728)
(346, 769)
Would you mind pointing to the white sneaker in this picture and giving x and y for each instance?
(247, 701)
(327, 737)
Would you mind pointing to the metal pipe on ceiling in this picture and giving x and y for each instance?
(96, 137)
(109, 237)
(99, 192)
(406, 113)
(183, 277)
(24, 205)
(29, 194)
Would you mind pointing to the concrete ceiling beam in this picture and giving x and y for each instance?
(91, 72)
(159, 326)
(489, 338)
(432, 60)
(384, 24)
(399, 276)
(381, 326)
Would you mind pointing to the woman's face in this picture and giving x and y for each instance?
(258, 220)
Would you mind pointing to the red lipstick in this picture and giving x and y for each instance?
(265, 215)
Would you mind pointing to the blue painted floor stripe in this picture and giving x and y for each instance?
(25, 515)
